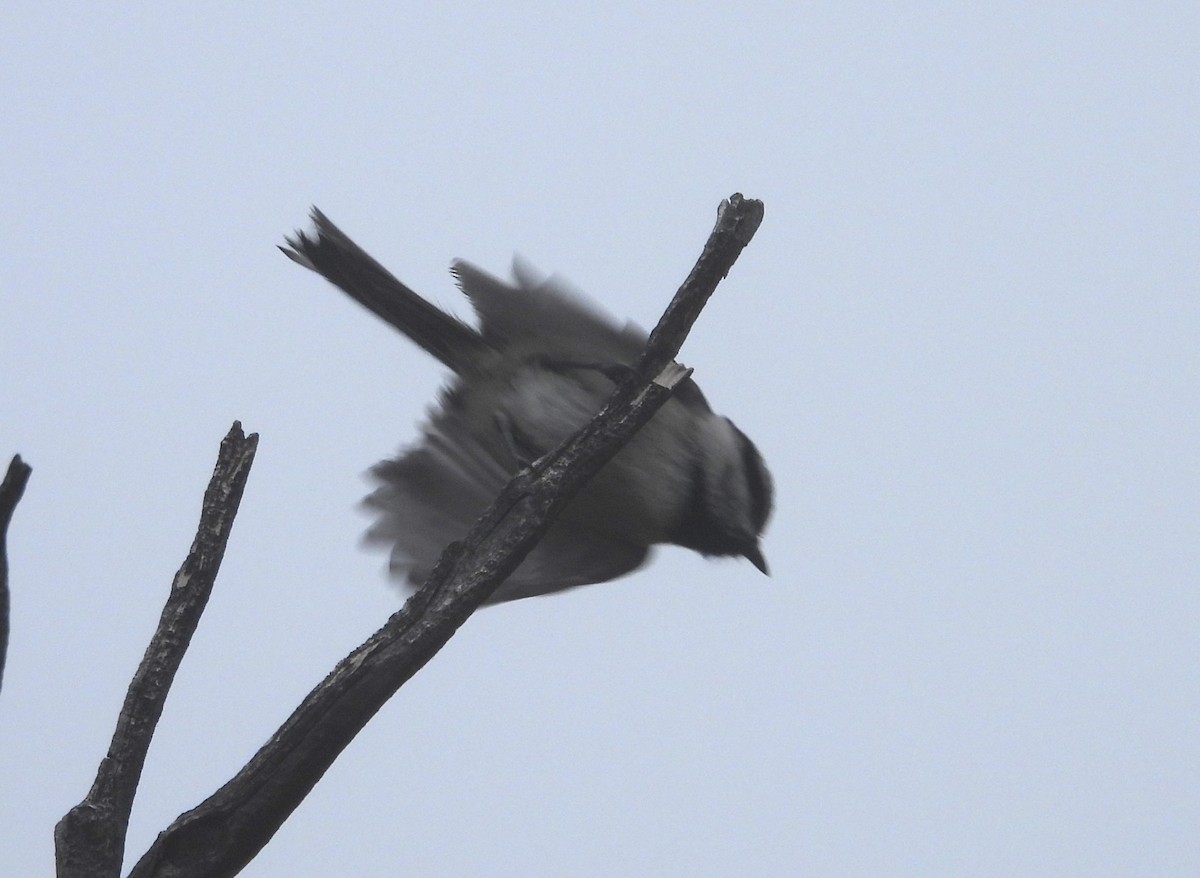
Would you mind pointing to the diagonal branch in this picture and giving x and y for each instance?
(90, 839)
(222, 834)
(11, 490)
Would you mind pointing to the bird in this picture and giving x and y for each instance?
(539, 365)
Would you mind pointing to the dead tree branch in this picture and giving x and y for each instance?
(222, 834)
(90, 839)
(11, 490)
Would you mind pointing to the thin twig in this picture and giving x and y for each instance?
(222, 834)
(11, 490)
(90, 839)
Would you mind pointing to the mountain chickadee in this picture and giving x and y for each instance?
(538, 368)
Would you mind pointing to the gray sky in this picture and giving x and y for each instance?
(966, 338)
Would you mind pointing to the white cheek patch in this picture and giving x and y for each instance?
(728, 483)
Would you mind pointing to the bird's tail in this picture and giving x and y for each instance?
(330, 253)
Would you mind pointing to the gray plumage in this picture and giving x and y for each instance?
(539, 367)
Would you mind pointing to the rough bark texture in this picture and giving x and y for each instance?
(222, 834)
(90, 839)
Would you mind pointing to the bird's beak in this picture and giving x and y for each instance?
(755, 556)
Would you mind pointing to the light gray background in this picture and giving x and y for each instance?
(967, 339)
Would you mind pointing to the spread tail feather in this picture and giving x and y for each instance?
(330, 253)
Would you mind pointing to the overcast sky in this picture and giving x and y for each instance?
(966, 339)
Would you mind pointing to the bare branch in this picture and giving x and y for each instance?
(222, 834)
(738, 218)
(90, 839)
(11, 490)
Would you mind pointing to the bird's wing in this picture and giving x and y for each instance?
(432, 494)
(548, 315)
